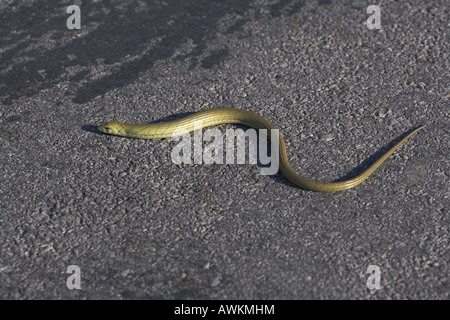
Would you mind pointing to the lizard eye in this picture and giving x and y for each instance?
(105, 128)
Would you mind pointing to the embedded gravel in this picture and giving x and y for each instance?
(141, 227)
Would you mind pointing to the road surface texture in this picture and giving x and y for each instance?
(139, 226)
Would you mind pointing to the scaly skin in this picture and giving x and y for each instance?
(218, 116)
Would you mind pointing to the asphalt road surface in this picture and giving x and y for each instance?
(138, 226)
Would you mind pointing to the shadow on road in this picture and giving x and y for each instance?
(116, 33)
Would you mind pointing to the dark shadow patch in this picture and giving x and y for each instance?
(324, 2)
(143, 31)
(117, 31)
(15, 118)
(91, 128)
(236, 27)
(286, 7)
(372, 159)
(214, 58)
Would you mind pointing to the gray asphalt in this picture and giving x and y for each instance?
(141, 227)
